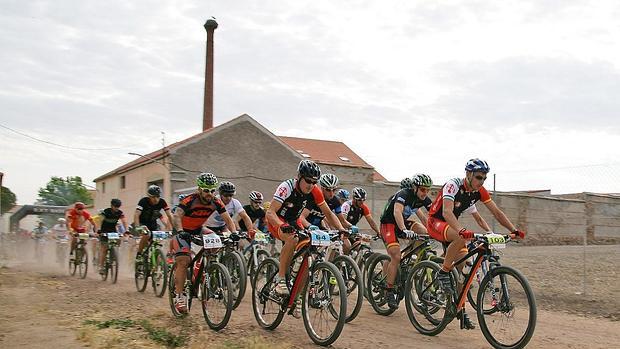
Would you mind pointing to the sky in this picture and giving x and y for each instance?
(411, 86)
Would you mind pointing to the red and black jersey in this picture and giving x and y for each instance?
(196, 212)
(457, 191)
(294, 201)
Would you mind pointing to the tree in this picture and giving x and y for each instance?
(7, 200)
(64, 192)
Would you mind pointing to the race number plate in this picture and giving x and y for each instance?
(83, 236)
(160, 235)
(496, 240)
(112, 236)
(260, 237)
(212, 241)
(320, 238)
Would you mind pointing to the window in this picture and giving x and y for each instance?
(344, 158)
(122, 182)
(103, 187)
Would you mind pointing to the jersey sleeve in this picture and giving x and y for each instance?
(427, 203)
(449, 190)
(401, 198)
(283, 191)
(317, 195)
(141, 204)
(237, 206)
(164, 205)
(186, 203)
(365, 210)
(219, 206)
(484, 195)
(346, 207)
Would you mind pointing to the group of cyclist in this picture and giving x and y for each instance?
(311, 200)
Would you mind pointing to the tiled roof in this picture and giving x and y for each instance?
(325, 152)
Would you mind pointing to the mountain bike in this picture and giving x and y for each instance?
(233, 260)
(351, 274)
(376, 281)
(80, 257)
(62, 246)
(153, 264)
(110, 263)
(323, 296)
(208, 281)
(256, 252)
(511, 321)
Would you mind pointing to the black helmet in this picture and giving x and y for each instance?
(227, 188)
(309, 169)
(154, 190)
(115, 203)
(406, 183)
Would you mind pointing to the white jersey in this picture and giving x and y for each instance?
(346, 207)
(233, 207)
(60, 231)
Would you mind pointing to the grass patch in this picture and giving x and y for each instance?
(156, 334)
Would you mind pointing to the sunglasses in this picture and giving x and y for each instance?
(310, 181)
(480, 178)
(257, 202)
(228, 195)
(208, 190)
(329, 190)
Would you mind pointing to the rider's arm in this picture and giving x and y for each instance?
(136, 218)
(422, 216)
(372, 223)
(271, 215)
(246, 219)
(499, 215)
(229, 222)
(178, 216)
(481, 222)
(343, 220)
(170, 218)
(304, 216)
(398, 216)
(448, 206)
(332, 219)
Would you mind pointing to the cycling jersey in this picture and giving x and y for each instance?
(60, 231)
(196, 212)
(316, 215)
(456, 190)
(293, 203)
(39, 232)
(149, 213)
(406, 197)
(109, 219)
(233, 207)
(77, 220)
(354, 213)
(254, 215)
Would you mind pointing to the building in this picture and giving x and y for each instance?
(241, 151)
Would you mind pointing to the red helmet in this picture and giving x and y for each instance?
(79, 205)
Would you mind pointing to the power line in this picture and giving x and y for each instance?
(56, 144)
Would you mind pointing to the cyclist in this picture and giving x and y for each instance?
(147, 213)
(288, 202)
(457, 196)
(312, 215)
(342, 195)
(356, 209)
(76, 218)
(190, 216)
(255, 211)
(109, 219)
(60, 233)
(216, 223)
(414, 195)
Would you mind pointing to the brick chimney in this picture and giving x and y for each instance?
(207, 115)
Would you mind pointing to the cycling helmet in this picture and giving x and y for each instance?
(62, 220)
(154, 190)
(406, 183)
(422, 180)
(115, 203)
(79, 205)
(309, 169)
(359, 193)
(227, 188)
(206, 180)
(477, 165)
(343, 194)
(328, 181)
(256, 196)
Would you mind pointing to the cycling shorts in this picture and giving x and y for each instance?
(388, 234)
(437, 229)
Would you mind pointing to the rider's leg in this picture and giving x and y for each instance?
(144, 240)
(346, 245)
(180, 273)
(286, 255)
(456, 248)
(392, 267)
(103, 250)
(73, 244)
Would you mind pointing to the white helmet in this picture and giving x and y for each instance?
(62, 220)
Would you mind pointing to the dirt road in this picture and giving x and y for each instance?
(45, 308)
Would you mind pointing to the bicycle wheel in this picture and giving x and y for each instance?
(324, 304)
(376, 284)
(267, 306)
(83, 262)
(172, 292)
(235, 264)
(106, 266)
(352, 277)
(73, 263)
(514, 321)
(366, 264)
(217, 296)
(141, 274)
(113, 266)
(424, 298)
(159, 274)
(261, 255)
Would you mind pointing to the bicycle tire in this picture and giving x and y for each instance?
(217, 284)
(263, 294)
(342, 298)
(235, 263)
(505, 306)
(72, 263)
(366, 265)
(83, 263)
(418, 282)
(113, 264)
(159, 278)
(141, 271)
(352, 277)
(376, 286)
(172, 293)
(261, 255)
